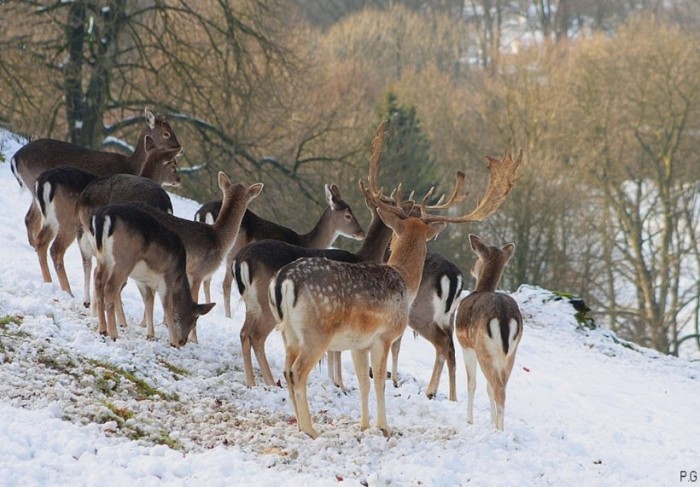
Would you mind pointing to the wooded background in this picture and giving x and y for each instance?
(602, 96)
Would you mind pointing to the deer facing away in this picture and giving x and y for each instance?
(489, 327)
(326, 305)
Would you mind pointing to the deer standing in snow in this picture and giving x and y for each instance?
(131, 243)
(326, 305)
(489, 327)
(40, 155)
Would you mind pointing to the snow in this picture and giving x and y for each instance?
(583, 407)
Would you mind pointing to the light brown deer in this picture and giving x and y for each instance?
(207, 245)
(58, 191)
(337, 219)
(41, 155)
(130, 242)
(489, 327)
(326, 305)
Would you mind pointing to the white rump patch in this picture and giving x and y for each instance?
(494, 345)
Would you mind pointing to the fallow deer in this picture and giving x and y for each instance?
(41, 155)
(489, 327)
(337, 219)
(256, 264)
(59, 190)
(206, 245)
(130, 242)
(327, 305)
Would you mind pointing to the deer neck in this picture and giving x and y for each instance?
(228, 222)
(138, 157)
(408, 257)
(322, 235)
(376, 240)
(488, 280)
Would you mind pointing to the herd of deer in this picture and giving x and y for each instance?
(322, 300)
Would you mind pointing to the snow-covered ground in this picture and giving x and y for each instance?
(582, 408)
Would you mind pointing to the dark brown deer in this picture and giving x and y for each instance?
(207, 245)
(131, 243)
(337, 219)
(59, 190)
(41, 155)
(489, 328)
(326, 305)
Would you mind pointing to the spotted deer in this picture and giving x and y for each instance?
(131, 243)
(40, 155)
(489, 327)
(337, 219)
(207, 245)
(58, 193)
(327, 305)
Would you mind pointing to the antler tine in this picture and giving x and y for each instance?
(501, 181)
(376, 150)
(423, 211)
(457, 194)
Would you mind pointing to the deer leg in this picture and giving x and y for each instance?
(119, 308)
(32, 220)
(148, 297)
(100, 276)
(246, 348)
(110, 292)
(442, 341)
(380, 354)
(335, 370)
(291, 347)
(228, 281)
(470, 362)
(299, 372)
(41, 244)
(86, 254)
(207, 289)
(196, 283)
(258, 340)
(492, 402)
(395, 349)
(451, 367)
(360, 359)
(58, 251)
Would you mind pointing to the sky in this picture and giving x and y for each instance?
(583, 407)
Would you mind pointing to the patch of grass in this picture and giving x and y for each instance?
(10, 319)
(122, 413)
(582, 317)
(174, 368)
(143, 389)
(164, 438)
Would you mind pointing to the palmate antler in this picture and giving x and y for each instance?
(501, 181)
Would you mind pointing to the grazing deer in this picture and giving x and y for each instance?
(41, 155)
(59, 190)
(130, 242)
(337, 219)
(326, 305)
(489, 328)
(207, 245)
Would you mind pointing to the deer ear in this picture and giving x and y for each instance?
(476, 243)
(333, 196)
(223, 180)
(202, 309)
(150, 118)
(391, 220)
(434, 228)
(509, 249)
(254, 190)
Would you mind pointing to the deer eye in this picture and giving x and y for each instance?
(348, 216)
(166, 135)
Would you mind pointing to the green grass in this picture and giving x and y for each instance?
(143, 389)
(174, 368)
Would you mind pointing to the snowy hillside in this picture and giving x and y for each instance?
(582, 408)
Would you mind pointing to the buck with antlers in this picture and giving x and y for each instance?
(58, 192)
(337, 219)
(326, 305)
(41, 155)
(489, 327)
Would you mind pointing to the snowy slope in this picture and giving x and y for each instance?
(582, 408)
